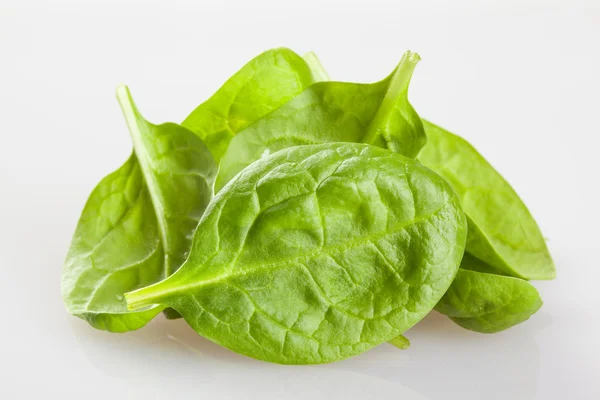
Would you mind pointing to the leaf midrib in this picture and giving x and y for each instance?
(131, 117)
(283, 262)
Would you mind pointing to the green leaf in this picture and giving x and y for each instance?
(317, 253)
(377, 113)
(179, 172)
(262, 85)
(318, 72)
(502, 232)
(488, 303)
(118, 215)
(396, 125)
(137, 225)
(401, 342)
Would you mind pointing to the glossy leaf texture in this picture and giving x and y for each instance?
(377, 113)
(488, 303)
(502, 231)
(262, 85)
(317, 253)
(137, 225)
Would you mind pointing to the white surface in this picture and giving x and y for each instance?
(520, 79)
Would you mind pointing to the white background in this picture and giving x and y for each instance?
(519, 79)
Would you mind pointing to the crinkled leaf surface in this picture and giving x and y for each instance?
(317, 253)
(486, 302)
(515, 312)
(502, 232)
(262, 85)
(137, 225)
(377, 113)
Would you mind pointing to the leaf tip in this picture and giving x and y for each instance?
(122, 92)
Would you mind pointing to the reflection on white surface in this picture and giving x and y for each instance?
(172, 353)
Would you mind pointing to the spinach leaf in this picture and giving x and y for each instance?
(317, 253)
(121, 210)
(262, 85)
(515, 309)
(318, 72)
(486, 302)
(482, 299)
(137, 225)
(502, 232)
(396, 125)
(377, 113)
(118, 215)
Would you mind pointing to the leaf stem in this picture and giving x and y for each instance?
(397, 88)
(138, 127)
(144, 297)
(400, 342)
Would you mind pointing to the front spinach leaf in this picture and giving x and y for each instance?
(137, 225)
(502, 232)
(377, 113)
(262, 85)
(488, 303)
(472, 263)
(317, 253)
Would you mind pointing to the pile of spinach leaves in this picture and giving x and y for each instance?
(299, 220)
